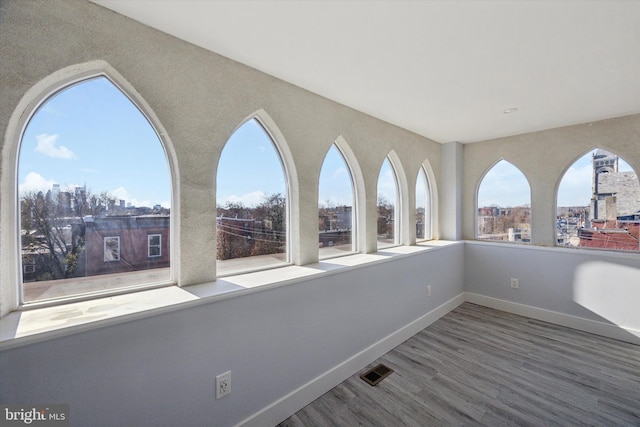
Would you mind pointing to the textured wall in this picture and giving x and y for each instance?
(198, 99)
(543, 157)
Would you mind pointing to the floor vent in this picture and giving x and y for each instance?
(377, 374)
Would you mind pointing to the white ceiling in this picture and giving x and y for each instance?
(443, 69)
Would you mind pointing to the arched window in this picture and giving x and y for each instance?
(336, 219)
(598, 204)
(504, 205)
(251, 199)
(387, 205)
(423, 207)
(94, 195)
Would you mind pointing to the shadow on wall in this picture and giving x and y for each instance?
(611, 291)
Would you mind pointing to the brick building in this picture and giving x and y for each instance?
(116, 244)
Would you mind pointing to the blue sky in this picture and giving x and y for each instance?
(92, 134)
(249, 168)
(387, 187)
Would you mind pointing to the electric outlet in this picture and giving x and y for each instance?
(428, 290)
(514, 283)
(223, 384)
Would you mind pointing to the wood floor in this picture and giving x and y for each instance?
(479, 366)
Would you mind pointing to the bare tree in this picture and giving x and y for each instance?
(53, 227)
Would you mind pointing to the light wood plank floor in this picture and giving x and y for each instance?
(479, 366)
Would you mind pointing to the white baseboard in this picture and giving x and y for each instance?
(593, 326)
(299, 398)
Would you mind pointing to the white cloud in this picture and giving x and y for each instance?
(250, 199)
(35, 182)
(47, 146)
(121, 193)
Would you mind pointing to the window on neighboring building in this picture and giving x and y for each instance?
(387, 206)
(504, 205)
(90, 165)
(598, 204)
(251, 203)
(112, 248)
(335, 205)
(423, 206)
(154, 247)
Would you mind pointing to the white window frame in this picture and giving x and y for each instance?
(354, 201)
(477, 205)
(292, 218)
(428, 206)
(11, 289)
(397, 202)
(150, 245)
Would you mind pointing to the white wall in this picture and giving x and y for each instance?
(283, 345)
(160, 370)
(590, 290)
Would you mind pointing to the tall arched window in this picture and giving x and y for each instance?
(423, 207)
(388, 226)
(504, 205)
(598, 204)
(336, 219)
(94, 195)
(251, 199)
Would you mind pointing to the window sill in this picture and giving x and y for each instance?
(25, 327)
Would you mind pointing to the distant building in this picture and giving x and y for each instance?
(614, 214)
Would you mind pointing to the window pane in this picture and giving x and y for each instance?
(599, 204)
(423, 207)
(111, 249)
(155, 247)
(251, 203)
(504, 205)
(387, 206)
(93, 182)
(335, 206)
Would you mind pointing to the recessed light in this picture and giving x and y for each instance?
(510, 110)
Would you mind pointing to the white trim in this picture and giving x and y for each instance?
(149, 245)
(33, 98)
(581, 251)
(281, 409)
(592, 326)
(43, 322)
